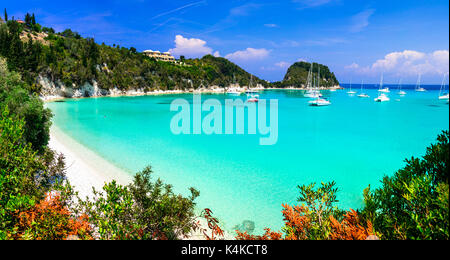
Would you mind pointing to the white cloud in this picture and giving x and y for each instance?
(243, 10)
(352, 66)
(283, 64)
(271, 25)
(248, 54)
(407, 63)
(311, 3)
(361, 20)
(216, 54)
(190, 47)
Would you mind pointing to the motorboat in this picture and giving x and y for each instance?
(318, 102)
(382, 98)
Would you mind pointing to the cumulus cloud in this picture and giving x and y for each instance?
(216, 54)
(248, 54)
(408, 62)
(361, 20)
(190, 47)
(282, 64)
(352, 66)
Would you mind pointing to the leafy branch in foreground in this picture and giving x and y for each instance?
(414, 202)
(411, 204)
(142, 210)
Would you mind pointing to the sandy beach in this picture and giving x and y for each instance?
(86, 169)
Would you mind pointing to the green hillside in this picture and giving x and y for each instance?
(297, 75)
(73, 60)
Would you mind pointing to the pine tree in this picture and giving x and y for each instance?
(28, 20)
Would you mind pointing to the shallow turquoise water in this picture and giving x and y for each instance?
(354, 142)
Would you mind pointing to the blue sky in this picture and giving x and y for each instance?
(358, 40)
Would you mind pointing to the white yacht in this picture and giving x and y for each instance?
(314, 94)
(318, 102)
(382, 97)
(400, 91)
(442, 94)
(363, 95)
(233, 89)
(418, 87)
(251, 90)
(252, 98)
(233, 92)
(351, 92)
(312, 91)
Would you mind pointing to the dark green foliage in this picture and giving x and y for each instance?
(320, 203)
(142, 210)
(25, 177)
(74, 60)
(414, 202)
(14, 94)
(297, 75)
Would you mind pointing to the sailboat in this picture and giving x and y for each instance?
(251, 96)
(363, 95)
(311, 91)
(382, 97)
(233, 91)
(318, 102)
(250, 90)
(442, 94)
(400, 91)
(383, 90)
(351, 92)
(418, 87)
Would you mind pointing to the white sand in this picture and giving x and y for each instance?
(85, 169)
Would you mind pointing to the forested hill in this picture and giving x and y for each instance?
(69, 60)
(72, 60)
(297, 75)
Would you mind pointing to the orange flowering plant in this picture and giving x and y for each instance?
(316, 219)
(51, 220)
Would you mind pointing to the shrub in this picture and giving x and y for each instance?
(51, 220)
(142, 210)
(414, 202)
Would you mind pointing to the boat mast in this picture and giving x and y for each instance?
(418, 81)
(381, 81)
(309, 79)
(442, 85)
(318, 79)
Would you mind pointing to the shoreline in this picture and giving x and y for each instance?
(86, 169)
(52, 98)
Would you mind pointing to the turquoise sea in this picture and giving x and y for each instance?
(354, 142)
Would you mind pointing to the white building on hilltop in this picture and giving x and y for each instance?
(162, 56)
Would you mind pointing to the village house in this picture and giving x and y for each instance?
(162, 56)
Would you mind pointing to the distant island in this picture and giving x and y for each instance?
(64, 64)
